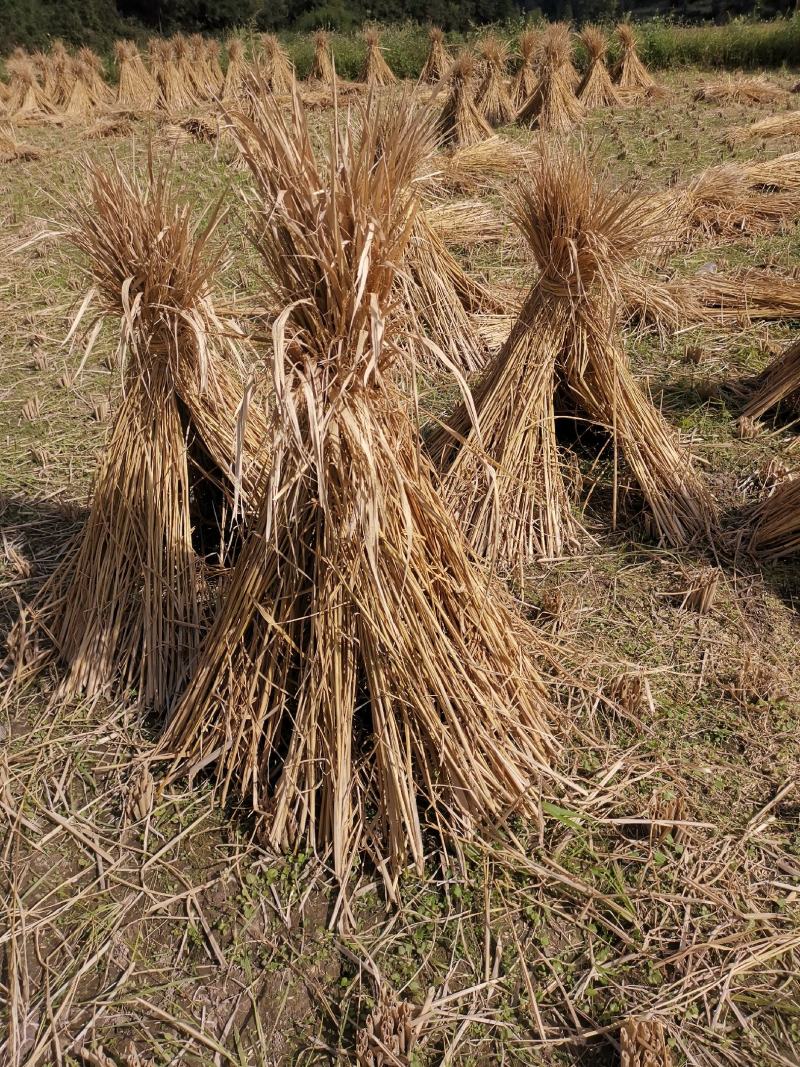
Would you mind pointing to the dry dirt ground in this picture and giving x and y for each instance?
(176, 938)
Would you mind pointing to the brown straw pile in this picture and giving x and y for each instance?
(322, 65)
(361, 671)
(564, 355)
(438, 62)
(125, 606)
(553, 106)
(596, 88)
(783, 125)
(630, 73)
(375, 71)
(493, 100)
(136, 89)
(527, 75)
(278, 75)
(460, 122)
(12, 150)
(738, 90)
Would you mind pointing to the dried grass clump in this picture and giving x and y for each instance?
(527, 75)
(553, 106)
(375, 71)
(237, 75)
(61, 74)
(279, 71)
(596, 89)
(630, 73)
(136, 90)
(360, 670)
(214, 72)
(564, 357)
(731, 199)
(12, 150)
(437, 64)
(322, 65)
(110, 127)
(493, 100)
(460, 122)
(126, 603)
(735, 89)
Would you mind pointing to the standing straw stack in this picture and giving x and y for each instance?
(99, 91)
(136, 90)
(493, 100)
(596, 89)
(553, 106)
(460, 122)
(279, 71)
(27, 101)
(236, 76)
(125, 604)
(630, 73)
(437, 64)
(322, 65)
(62, 74)
(214, 75)
(79, 104)
(527, 76)
(564, 354)
(360, 671)
(375, 71)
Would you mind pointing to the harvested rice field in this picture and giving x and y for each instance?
(400, 568)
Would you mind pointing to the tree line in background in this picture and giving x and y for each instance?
(35, 23)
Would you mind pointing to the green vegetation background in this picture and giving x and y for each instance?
(740, 40)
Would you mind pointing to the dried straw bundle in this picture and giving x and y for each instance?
(493, 100)
(27, 101)
(729, 200)
(195, 68)
(738, 90)
(62, 74)
(279, 72)
(596, 89)
(785, 125)
(779, 174)
(126, 603)
(630, 73)
(79, 104)
(214, 75)
(748, 295)
(460, 122)
(775, 522)
(187, 75)
(336, 684)
(438, 62)
(564, 354)
(12, 150)
(553, 106)
(136, 90)
(480, 166)
(527, 76)
(44, 74)
(322, 65)
(778, 384)
(174, 92)
(93, 72)
(375, 71)
(237, 74)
